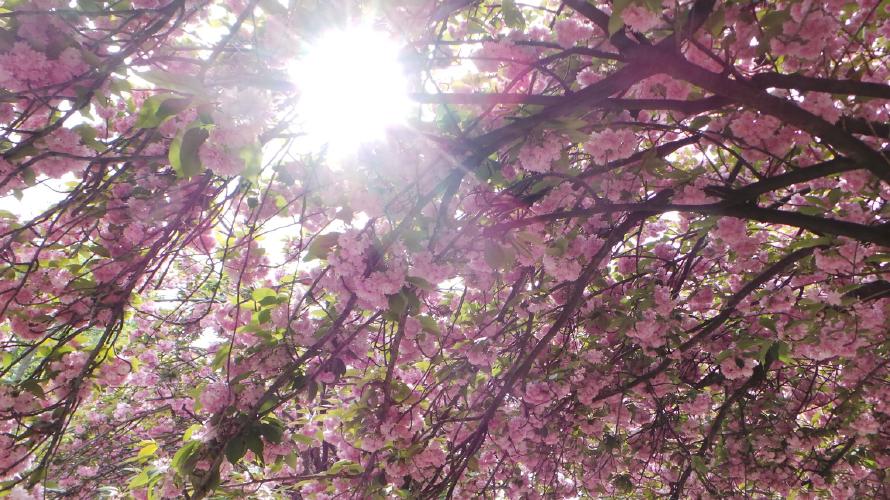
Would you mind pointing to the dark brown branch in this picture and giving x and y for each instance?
(805, 174)
(742, 92)
(819, 225)
(755, 380)
(582, 100)
(865, 127)
(487, 99)
(450, 7)
(800, 82)
(870, 291)
(521, 369)
(702, 330)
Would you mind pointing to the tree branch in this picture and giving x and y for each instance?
(819, 225)
(755, 98)
(800, 82)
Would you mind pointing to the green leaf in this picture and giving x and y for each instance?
(252, 156)
(396, 304)
(255, 444)
(140, 480)
(615, 20)
(810, 242)
(768, 322)
(811, 210)
(499, 257)
(173, 155)
(570, 124)
(303, 439)
(87, 134)
(118, 86)
(235, 449)
(174, 81)
(699, 465)
(345, 466)
(772, 24)
(189, 161)
(429, 324)
(412, 303)
(33, 387)
(652, 5)
(879, 258)
(615, 23)
(269, 301)
(157, 108)
(421, 283)
(749, 344)
(559, 247)
(765, 349)
(321, 246)
(241, 377)
(512, 15)
(783, 352)
(651, 162)
(699, 121)
(28, 150)
(185, 459)
(715, 23)
(264, 316)
(29, 176)
(268, 404)
(184, 149)
(723, 355)
(271, 431)
(774, 19)
(147, 450)
(261, 293)
(187, 436)
(147, 117)
(221, 356)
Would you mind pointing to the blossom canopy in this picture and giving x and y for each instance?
(622, 249)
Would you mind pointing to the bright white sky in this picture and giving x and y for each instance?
(352, 88)
(36, 199)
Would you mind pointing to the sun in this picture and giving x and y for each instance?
(352, 88)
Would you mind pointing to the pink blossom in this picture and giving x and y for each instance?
(610, 145)
(639, 18)
(220, 160)
(215, 397)
(537, 393)
(588, 76)
(737, 368)
(822, 105)
(22, 66)
(571, 31)
(649, 332)
(539, 157)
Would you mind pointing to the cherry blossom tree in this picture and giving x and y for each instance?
(635, 249)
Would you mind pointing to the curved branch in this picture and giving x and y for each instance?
(819, 225)
(800, 82)
(690, 107)
(755, 98)
(805, 174)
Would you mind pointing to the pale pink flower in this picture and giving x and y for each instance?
(639, 18)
